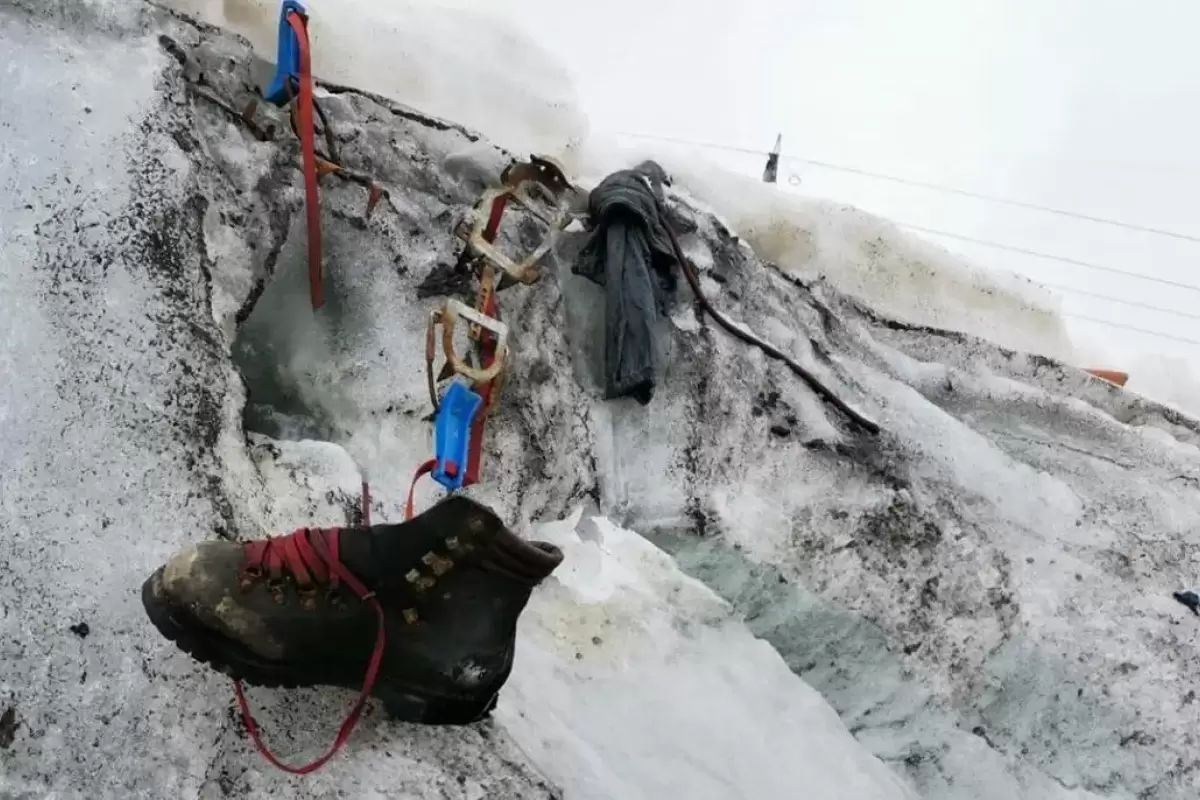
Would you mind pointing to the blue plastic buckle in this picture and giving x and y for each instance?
(452, 434)
(287, 65)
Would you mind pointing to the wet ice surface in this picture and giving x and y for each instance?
(634, 681)
(460, 61)
(121, 440)
(983, 594)
(106, 457)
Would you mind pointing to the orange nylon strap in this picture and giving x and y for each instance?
(424, 469)
(307, 134)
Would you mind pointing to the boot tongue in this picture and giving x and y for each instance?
(497, 549)
(453, 528)
(527, 562)
(362, 552)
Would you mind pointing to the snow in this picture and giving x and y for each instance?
(974, 605)
(439, 57)
(122, 442)
(104, 469)
(635, 681)
(1167, 379)
(158, 441)
(863, 255)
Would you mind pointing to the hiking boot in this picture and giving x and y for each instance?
(427, 610)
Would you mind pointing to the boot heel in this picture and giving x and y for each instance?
(404, 706)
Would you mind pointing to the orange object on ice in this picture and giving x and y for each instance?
(1111, 375)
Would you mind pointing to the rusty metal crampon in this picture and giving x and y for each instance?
(540, 174)
(447, 317)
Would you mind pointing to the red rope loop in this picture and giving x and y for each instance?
(311, 556)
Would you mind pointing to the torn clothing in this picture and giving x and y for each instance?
(630, 255)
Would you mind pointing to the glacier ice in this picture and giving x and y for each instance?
(982, 594)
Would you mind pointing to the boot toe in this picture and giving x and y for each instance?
(200, 583)
(199, 569)
(178, 569)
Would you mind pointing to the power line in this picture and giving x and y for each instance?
(937, 187)
(1025, 251)
(1072, 289)
(711, 145)
(1003, 200)
(962, 237)
(1110, 163)
(1084, 291)
(1146, 331)
(1001, 245)
(1121, 300)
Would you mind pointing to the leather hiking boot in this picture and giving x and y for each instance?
(426, 610)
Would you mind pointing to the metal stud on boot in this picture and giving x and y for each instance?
(421, 615)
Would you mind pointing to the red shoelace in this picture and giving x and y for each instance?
(311, 557)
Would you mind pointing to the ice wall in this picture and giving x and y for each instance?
(440, 56)
(465, 64)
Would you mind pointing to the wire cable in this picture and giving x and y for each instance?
(1000, 245)
(937, 187)
(1064, 259)
(1123, 326)
(1121, 300)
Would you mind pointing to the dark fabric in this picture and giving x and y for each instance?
(1189, 599)
(630, 255)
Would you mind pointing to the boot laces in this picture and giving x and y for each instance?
(307, 554)
(312, 556)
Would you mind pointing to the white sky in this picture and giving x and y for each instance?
(1086, 106)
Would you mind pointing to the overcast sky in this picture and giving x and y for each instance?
(1086, 106)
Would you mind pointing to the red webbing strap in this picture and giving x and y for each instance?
(493, 226)
(488, 344)
(307, 132)
(475, 445)
(424, 469)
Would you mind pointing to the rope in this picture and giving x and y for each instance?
(304, 553)
(689, 272)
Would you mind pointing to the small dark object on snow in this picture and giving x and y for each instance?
(630, 254)
(1189, 599)
(449, 585)
(771, 170)
(81, 630)
(8, 727)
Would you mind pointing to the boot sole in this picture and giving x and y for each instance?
(231, 658)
